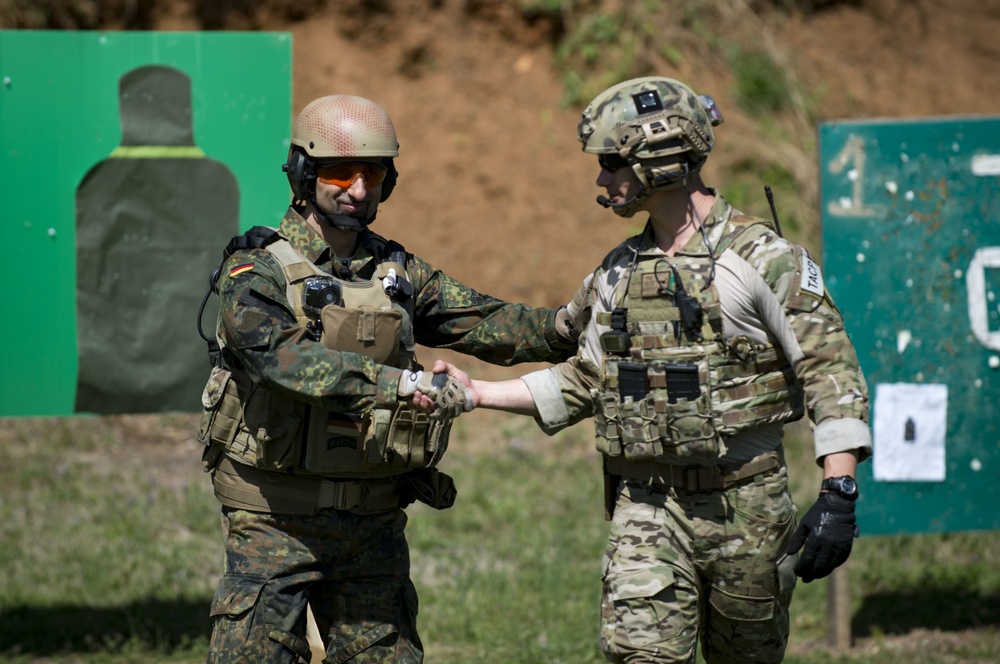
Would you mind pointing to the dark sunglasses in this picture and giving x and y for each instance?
(611, 162)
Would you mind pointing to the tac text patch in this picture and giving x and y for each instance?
(812, 278)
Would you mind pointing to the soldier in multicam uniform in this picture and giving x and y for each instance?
(311, 433)
(702, 336)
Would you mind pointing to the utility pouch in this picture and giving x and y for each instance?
(370, 331)
(428, 485)
(271, 439)
(640, 432)
(689, 429)
(220, 417)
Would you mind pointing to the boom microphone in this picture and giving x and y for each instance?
(606, 202)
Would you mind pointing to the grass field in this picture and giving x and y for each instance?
(110, 550)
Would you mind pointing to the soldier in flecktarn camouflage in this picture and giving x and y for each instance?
(319, 425)
(701, 337)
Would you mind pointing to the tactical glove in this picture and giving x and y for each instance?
(828, 532)
(450, 397)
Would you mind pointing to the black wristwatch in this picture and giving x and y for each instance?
(844, 486)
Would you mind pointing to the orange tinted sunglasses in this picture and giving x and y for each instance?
(343, 175)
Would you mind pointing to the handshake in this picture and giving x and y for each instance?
(444, 393)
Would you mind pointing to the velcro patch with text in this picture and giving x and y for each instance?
(812, 278)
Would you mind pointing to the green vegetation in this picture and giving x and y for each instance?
(761, 86)
(110, 549)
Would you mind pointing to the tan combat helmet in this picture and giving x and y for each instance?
(345, 126)
(336, 127)
(655, 125)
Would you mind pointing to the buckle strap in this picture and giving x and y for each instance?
(339, 495)
(364, 495)
(241, 486)
(694, 479)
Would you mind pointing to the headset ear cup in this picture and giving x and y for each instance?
(389, 183)
(300, 174)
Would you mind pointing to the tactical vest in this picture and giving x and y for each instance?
(274, 432)
(672, 386)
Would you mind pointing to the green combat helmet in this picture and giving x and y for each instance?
(656, 126)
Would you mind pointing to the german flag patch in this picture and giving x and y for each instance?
(240, 269)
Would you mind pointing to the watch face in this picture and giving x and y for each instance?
(845, 486)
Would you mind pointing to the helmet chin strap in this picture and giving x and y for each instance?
(343, 222)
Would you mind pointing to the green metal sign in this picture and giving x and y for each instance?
(911, 235)
(128, 161)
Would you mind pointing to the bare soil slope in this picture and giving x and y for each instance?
(494, 188)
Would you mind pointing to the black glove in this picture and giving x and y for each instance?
(828, 532)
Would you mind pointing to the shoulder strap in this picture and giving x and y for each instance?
(257, 237)
(737, 225)
(296, 268)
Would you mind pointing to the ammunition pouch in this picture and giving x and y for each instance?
(693, 397)
(266, 430)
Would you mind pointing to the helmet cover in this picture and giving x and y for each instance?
(657, 124)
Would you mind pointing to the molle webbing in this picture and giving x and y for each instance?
(364, 304)
(680, 390)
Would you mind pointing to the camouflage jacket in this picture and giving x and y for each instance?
(262, 337)
(770, 291)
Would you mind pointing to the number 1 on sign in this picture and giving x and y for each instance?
(853, 154)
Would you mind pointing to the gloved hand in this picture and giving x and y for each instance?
(572, 318)
(451, 398)
(828, 532)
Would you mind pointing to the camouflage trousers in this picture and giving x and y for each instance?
(352, 570)
(680, 566)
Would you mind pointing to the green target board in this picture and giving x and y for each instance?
(911, 236)
(129, 160)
